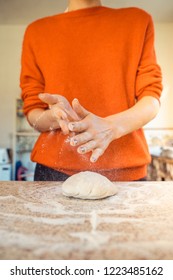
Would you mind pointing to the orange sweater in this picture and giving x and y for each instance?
(104, 57)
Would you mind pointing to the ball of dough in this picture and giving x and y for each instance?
(88, 185)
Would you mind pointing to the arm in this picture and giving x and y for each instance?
(94, 134)
(137, 116)
(44, 111)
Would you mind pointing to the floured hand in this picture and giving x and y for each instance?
(61, 110)
(93, 133)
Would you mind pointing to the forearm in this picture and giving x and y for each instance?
(134, 118)
(42, 120)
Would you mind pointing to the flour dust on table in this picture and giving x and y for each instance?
(88, 185)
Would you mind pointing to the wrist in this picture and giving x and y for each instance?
(116, 127)
(52, 120)
(42, 120)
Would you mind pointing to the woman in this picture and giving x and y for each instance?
(90, 82)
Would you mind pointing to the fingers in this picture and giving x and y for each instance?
(48, 98)
(92, 133)
(72, 116)
(58, 114)
(90, 147)
(78, 126)
(64, 127)
(86, 145)
(80, 139)
(79, 109)
(61, 102)
(96, 154)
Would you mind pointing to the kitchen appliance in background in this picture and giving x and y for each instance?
(4, 158)
(5, 165)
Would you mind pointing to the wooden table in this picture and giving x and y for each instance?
(38, 222)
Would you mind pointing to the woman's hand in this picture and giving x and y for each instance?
(60, 109)
(93, 133)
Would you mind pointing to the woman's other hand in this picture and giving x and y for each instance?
(60, 109)
(93, 133)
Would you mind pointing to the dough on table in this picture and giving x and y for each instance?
(88, 185)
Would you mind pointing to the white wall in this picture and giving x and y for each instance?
(10, 51)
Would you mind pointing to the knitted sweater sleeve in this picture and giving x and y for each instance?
(149, 77)
(31, 78)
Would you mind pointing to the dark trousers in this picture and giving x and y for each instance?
(44, 173)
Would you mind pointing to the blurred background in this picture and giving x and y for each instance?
(17, 138)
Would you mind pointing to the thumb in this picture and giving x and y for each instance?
(48, 98)
(79, 109)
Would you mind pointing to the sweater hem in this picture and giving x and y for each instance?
(125, 174)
